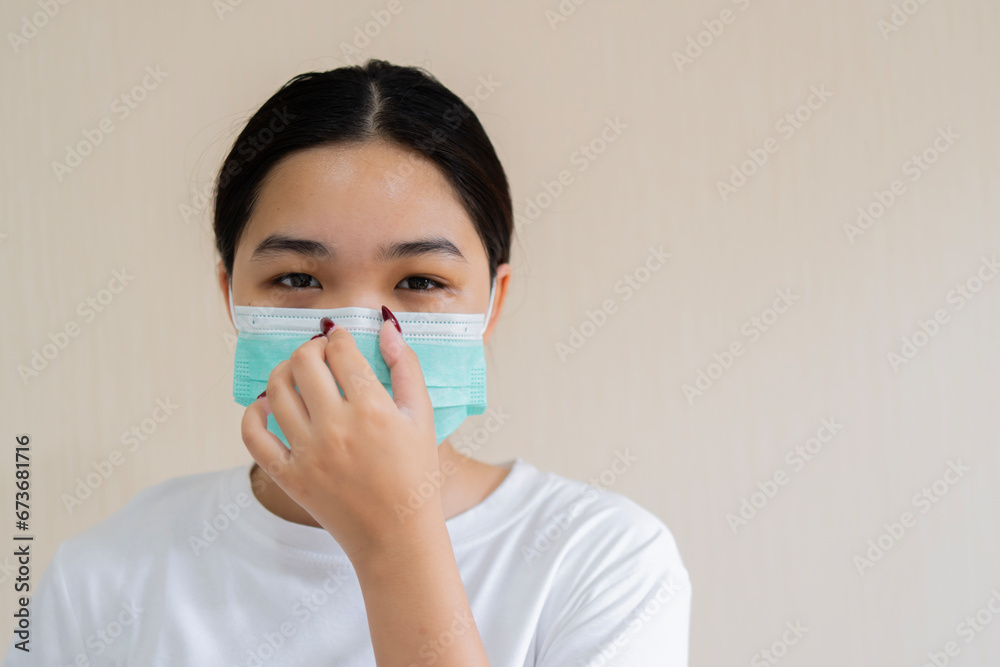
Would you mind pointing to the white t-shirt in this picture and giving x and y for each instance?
(195, 571)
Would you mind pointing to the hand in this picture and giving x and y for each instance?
(353, 459)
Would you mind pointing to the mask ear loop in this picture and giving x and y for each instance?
(232, 311)
(486, 321)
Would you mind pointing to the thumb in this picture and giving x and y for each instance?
(409, 389)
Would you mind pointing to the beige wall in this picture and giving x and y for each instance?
(683, 126)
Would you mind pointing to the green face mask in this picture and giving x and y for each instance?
(449, 347)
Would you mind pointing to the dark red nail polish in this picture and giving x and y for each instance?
(326, 324)
(387, 315)
(263, 394)
(319, 335)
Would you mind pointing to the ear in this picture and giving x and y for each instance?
(223, 278)
(503, 281)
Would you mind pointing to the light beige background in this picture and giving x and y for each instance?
(166, 335)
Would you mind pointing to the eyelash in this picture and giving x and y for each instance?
(278, 282)
(436, 284)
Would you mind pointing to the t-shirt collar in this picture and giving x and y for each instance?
(311, 542)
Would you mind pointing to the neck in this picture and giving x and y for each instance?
(466, 487)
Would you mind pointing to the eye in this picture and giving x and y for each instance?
(296, 280)
(420, 283)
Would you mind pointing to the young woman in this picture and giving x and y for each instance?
(359, 535)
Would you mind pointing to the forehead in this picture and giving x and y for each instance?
(357, 191)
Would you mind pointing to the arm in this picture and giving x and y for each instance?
(418, 612)
(351, 462)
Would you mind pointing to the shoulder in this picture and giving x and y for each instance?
(106, 570)
(590, 528)
(614, 573)
(154, 517)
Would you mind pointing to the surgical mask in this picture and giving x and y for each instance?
(449, 347)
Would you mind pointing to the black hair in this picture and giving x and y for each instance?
(375, 100)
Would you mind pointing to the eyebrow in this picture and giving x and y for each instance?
(434, 245)
(277, 244)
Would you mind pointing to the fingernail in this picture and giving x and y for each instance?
(387, 315)
(319, 335)
(326, 324)
(262, 394)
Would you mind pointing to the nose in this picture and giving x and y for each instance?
(355, 296)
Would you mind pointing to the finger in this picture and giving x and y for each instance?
(409, 389)
(265, 447)
(353, 373)
(286, 403)
(313, 377)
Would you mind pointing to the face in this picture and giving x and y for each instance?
(365, 225)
